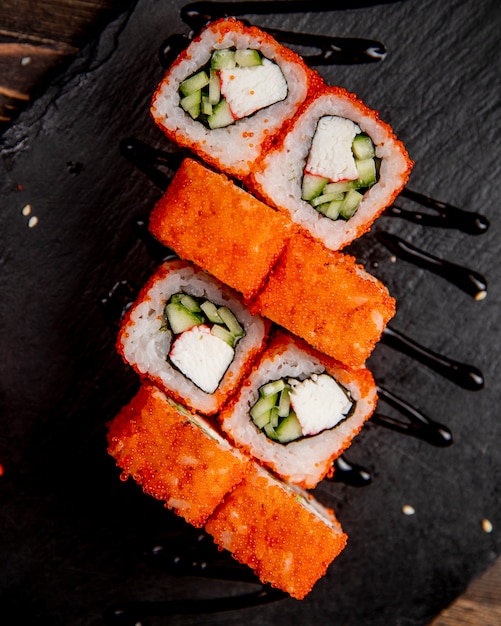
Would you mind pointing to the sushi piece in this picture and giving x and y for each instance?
(327, 299)
(335, 170)
(286, 536)
(191, 335)
(229, 92)
(205, 218)
(298, 410)
(175, 456)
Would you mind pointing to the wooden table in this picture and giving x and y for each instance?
(36, 40)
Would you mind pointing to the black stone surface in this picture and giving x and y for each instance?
(75, 541)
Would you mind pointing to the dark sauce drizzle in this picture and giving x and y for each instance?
(445, 215)
(191, 552)
(463, 375)
(418, 425)
(332, 50)
(469, 281)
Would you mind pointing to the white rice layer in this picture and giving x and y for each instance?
(237, 146)
(280, 179)
(305, 461)
(145, 346)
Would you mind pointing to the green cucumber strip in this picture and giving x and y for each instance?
(289, 429)
(333, 209)
(341, 186)
(206, 108)
(362, 147)
(326, 197)
(274, 417)
(194, 83)
(270, 431)
(214, 87)
(230, 321)
(210, 310)
(222, 333)
(180, 319)
(191, 101)
(221, 116)
(223, 59)
(190, 303)
(312, 186)
(248, 58)
(284, 404)
(366, 172)
(263, 405)
(273, 388)
(350, 203)
(261, 420)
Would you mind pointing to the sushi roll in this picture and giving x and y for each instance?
(229, 92)
(191, 335)
(174, 455)
(335, 170)
(286, 536)
(298, 410)
(207, 219)
(327, 299)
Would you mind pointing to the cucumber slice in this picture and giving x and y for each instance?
(289, 429)
(333, 209)
(326, 197)
(190, 303)
(362, 147)
(274, 417)
(180, 319)
(366, 172)
(194, 83)
(223, 59)
(210, 310)
(340, 187)
(284, 404)
(261, 420)
(312, 186)
(263, 405)
(221, 116)
(206, 107)
(193, 100)
(230, 321)
(222, 333)
(248, 58)
(273, 388)
(350, 204)
(270, 432)
(214, 87)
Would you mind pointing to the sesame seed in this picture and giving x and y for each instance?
(33, 221)
(481, 295)
(25, 61)
(393, 258)
(26, 210)
(407, 509)
(487, 526)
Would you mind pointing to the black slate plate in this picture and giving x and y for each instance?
(76, 541)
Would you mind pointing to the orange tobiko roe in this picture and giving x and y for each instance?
(172, 458)
(267, 528)
(205, 218)
(328, 300)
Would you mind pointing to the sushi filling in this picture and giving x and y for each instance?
(234, 84)
(341, 166)
(204, 339)
(288, 409)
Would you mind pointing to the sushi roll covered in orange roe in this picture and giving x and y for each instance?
(328, 300)
(335, 170)
(229, 92)
(284, 535)
(174, 456)
(298, 410)
(205, 218)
